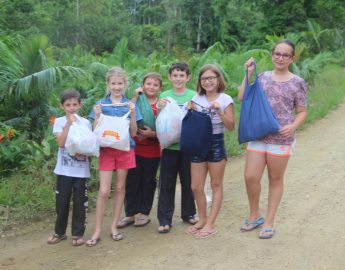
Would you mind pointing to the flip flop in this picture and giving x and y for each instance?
(125, 222)
(266, 233)
(248, 226)
(191, 220)
(77, 241)
(92, 242)
(142, 221)
(204, 234)
(116, 236)
(55, 238)
(164, 229)
(192, 230)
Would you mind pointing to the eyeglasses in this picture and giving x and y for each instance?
(285, 56)
(210, 79)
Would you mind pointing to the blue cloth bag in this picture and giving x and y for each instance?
(257, 119)
(196, 134)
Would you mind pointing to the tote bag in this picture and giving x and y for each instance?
(113, 131)
(257, 119)
(146, 112)
(168, 124)
(81, 140)
(196, 133)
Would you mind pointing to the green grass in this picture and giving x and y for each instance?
(326, 92)
(30, 193)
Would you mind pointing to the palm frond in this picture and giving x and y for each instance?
(42, 82)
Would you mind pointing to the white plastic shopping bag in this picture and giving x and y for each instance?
(113, 131)
(81, 140)
(168, 124)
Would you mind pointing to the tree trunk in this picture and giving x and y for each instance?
(198, 39)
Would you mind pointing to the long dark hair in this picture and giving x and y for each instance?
(287, 42)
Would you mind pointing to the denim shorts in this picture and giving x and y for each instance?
(217, 150)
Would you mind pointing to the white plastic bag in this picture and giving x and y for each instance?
(168, 124)
(112, 131)
(81, 140)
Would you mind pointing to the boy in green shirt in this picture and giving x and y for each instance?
(173, 161)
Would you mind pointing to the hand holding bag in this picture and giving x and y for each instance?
(81, 140)
(257, 119)
(112, 131)
(146, 112)
(196, 133)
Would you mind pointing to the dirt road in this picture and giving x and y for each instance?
(310, 223)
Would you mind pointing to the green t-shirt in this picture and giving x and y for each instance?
(181, 101)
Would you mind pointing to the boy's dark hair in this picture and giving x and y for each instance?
(68, 94)
(287, 42)
(182, 66)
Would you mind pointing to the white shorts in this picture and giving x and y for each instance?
(271, 149)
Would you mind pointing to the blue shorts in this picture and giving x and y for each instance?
(217, 150)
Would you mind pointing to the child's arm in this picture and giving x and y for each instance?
(250, 65)
(137, 92)
(97, 109)
(161, 104)
(301, 114)
(62, 136)
(227, 116)
(147, 132)
(133, 121)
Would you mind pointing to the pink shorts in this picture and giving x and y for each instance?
(271, 149)
(111, 159)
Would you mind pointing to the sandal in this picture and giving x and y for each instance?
(191, 220)
(92, 242)
(142, 221)
(266, 233)
(248, 226)
(126, 221)
(116, 236)
(55, 238)
(192, 230)
(77, 241)
(204, 234)
(164, 229)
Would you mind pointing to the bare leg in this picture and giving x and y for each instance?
(216, 170)
(276, 167)
(105, 178)
(254, 168)
(199, 172)
(120, 187)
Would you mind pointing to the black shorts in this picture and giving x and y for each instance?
(217, 150)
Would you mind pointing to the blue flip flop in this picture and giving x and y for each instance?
(248, 226)
(268, 231)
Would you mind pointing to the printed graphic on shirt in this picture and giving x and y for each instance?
(72, 162)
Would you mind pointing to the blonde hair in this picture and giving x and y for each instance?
(116, 72)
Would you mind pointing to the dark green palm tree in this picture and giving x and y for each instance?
(27, 83)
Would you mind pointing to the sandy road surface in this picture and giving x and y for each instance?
(310, 223)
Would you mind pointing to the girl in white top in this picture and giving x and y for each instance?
(211, 99)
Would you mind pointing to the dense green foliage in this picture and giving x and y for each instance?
(165, 25)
